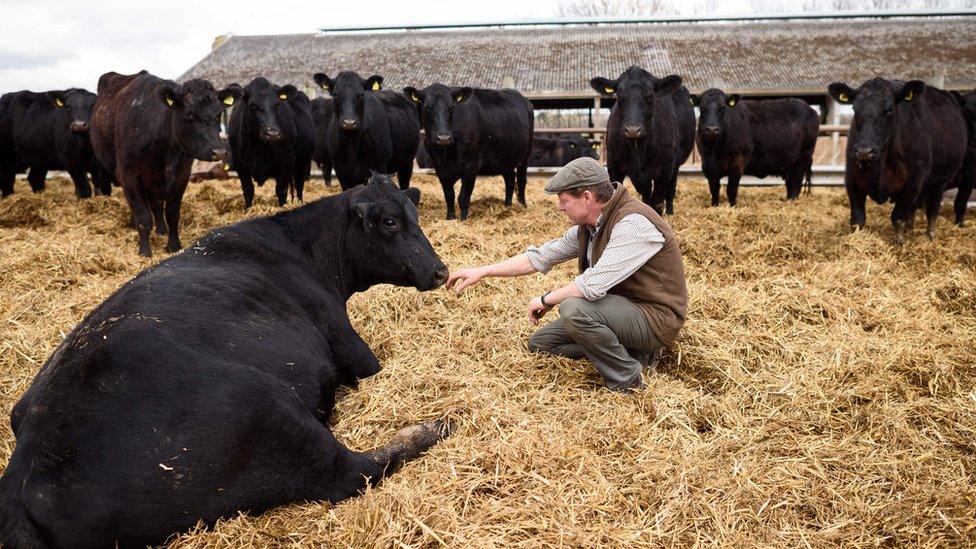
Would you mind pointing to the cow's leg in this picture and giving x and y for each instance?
(173, 244)
(80, 179)
(101, 181)
(966, 183)
(672, 191)
(36, 177)
(353, 358)
(326, 168)
(521, 179)
(903, 214)
(732, 188)
(299, 185)
(715, 188)
(141, 216)
(509, 178)
(247, 187)
(283, 182)
(404, 176)
(467, 188)
(933, 202)
(616, 174)
(157, 210)
(856, 198)
(448, 187)
(7, 177)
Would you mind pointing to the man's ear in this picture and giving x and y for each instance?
(323, 81)
(373, 83)
(910, 91)
(170, 94)
(413, 193)
(842, 93)
(603, 86)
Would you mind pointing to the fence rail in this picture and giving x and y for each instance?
(825, 129)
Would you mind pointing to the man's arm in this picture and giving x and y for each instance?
(513, 266)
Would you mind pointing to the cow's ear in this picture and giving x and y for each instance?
(413, 193)
(694, 99)
(171, 95)
(287, 92)
(731, 100)
(229, 95)
(603, 86)
(56, 97)
(910, 91)
(668, 85)
(323, 81)
(462, 94)
(413, 94)
(373, 83)
(959, 98)
(842, 93)
(362, 211)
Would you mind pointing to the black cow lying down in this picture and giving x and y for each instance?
(204, 386)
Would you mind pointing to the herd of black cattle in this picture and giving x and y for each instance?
(908, 141)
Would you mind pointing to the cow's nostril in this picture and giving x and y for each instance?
(440, 277)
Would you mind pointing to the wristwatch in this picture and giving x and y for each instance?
(542, 298)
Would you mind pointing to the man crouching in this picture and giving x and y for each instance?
(629, 300)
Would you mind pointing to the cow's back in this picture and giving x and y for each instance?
(685, 119)
(404, 124)
(783, 132)
(948, 133)
(322, 111)
(102, 126)
(504, 124)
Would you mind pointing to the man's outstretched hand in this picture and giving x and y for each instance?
(462, 278)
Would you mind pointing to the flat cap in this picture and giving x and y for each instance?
(582, 172)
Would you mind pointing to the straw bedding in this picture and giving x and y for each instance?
(822, 392)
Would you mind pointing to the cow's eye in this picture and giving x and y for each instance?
(389, 223)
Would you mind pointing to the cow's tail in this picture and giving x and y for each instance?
(17, 529)
(809, 178)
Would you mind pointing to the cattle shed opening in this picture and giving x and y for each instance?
(552, 62)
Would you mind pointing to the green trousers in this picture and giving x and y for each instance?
(604, 331)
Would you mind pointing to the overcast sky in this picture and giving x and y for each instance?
(48, 45)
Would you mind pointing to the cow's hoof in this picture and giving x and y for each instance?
(173, 248)
(930, 235)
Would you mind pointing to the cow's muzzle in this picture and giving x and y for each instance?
(710, 131)
(349, 124)
(865, 154)
(79, 126)
(218, 154)
(271, 135)
(443, 140)
(634, 132)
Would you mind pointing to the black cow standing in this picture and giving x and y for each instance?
(49, 131)
(271, 135)
(906, 144)
(756, 138)
(474, 131)
(322, 112)
(558, 150)
(204, 386)
(967, 175)
(650, 132)
(147, 131)
(371, 130)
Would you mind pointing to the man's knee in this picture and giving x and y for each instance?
(537, 343)
(573, 311)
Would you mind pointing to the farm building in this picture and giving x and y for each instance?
(552, 63)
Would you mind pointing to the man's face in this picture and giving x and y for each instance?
(577, 209)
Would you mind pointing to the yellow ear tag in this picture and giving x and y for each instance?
(169, 101)
(842, 97)
(731, 102)
(910, 95)
(282, 95)
(229, 100)
(415, 98)
(376, 86)
(58, 102)
(608, 89)
(226, 167)
(459, 98)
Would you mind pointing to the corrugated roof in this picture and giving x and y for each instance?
(792, 56)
